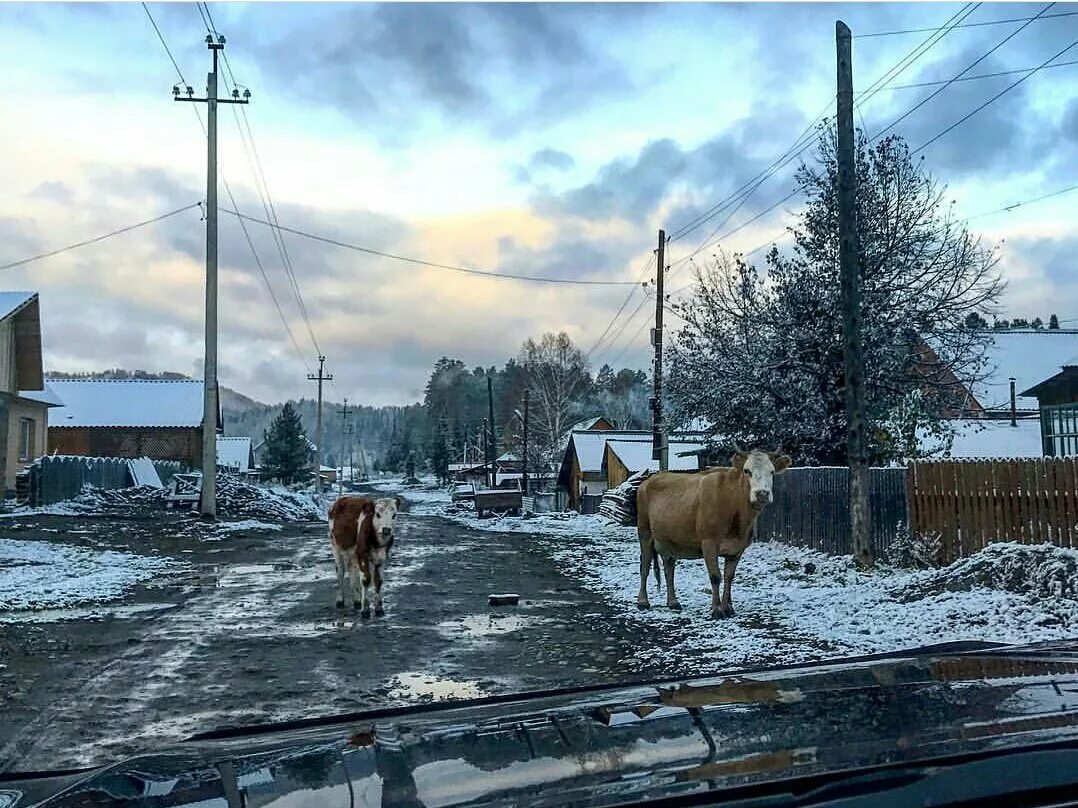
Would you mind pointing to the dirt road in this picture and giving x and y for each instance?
(248, 633)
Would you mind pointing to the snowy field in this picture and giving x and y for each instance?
(796, 605)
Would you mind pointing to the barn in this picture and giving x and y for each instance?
(156, 418)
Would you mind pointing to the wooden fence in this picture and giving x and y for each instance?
(971, 503)
(811, 509)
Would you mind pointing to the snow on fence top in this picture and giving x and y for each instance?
(127, 402)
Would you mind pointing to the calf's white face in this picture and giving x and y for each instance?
(385, 514)
(760, 468)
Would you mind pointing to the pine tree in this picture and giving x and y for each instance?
(286, 449)
(1037, 323)
(439, 450)
(1053, 323)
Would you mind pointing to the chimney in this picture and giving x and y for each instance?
(1014, 410)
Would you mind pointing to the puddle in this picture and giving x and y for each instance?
(84, 613)
(414, 685)
(482, 626)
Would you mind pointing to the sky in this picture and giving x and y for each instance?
(547, 140)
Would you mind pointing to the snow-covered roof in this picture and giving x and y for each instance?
(508, 457)
(1030, 357)
(234, 452)
(635, 455)
(11, 302)
(977, 437)
(590, 446)
(127, 402)
(47, 396)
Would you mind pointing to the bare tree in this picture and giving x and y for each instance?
(558, 373)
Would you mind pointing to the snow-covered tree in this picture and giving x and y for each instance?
(761, 353)
(1053, 323)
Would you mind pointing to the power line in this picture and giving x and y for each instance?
(965, 70)
(1002, 92)
(96, 239)
(978, 77)
(964, 25)
(800, 145)
(1025, 202)
(614, 319)
(423, 262)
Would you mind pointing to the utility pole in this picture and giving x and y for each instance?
(493, 439)
(486, 452)
(208, 499)
(321, 377)
(659, 447)
(524, 456)
(851, 303)
(344, 432)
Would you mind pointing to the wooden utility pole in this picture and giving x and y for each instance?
(486, 452)
(849, 266)
(320, 377)
(659, 447)
(493, 440)
(524, 455)
(344, 438)
(208, 498)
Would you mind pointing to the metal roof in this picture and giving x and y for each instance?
(127, 403)
(234, 452)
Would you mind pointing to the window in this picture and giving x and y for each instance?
(1059, 430)
(26, 439)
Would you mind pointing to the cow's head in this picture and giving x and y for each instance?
(760, 467)
(385, 515)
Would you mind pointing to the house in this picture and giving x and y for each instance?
(1025, 356)
(1057, 402)
(235, 454)
(584, 466)
(24, 400)
(155, 418)
(623, 458)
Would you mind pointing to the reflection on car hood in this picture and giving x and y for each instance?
(604, 746)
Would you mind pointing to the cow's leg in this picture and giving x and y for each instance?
(671, 596)
(711, 559)
(726, 607)
(378, 610)
(647, 556)
(365, 570)
(339, 563)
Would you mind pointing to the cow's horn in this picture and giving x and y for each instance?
(738, 449)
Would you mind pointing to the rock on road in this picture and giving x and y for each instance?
(250, 634)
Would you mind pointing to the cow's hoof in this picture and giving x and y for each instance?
(643, 606)
(365, 614)
(674, 606)
(379, 612)
(722, 612)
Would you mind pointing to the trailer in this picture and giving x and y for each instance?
(499, 502)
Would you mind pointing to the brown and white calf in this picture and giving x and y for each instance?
(361, 531)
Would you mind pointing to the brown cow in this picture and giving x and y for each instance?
(361, 533)
(707, 514)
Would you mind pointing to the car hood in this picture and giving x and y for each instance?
(610, 745)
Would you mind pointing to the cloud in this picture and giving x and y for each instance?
(551, 158)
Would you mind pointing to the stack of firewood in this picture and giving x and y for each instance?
(619, 504)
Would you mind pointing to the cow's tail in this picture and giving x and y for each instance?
(655, 566)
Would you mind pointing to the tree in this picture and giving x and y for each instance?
(975, 321)
(286, 452)
(761, 353)
(1019, 322)
(439, 450)
(1053, 323)
(1037, 323)
(559, 378)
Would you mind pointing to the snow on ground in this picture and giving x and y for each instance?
(44, 575)
(796, 605)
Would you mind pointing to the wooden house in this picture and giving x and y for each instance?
(624, 457)
(24, 400)
(1057, 400)
(159, 419)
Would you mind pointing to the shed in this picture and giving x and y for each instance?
(624, 458)
(235, 454)
(1057, 399)
(155, 418)
(24, 401)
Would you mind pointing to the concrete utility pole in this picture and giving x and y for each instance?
(524, 456)
(344, 433)
(493, 439)
(208, 499)
(320, 377)
(659, 447)
(860, 527)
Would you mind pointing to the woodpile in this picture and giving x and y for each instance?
(619, 504)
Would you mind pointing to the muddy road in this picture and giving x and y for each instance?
(248, 633)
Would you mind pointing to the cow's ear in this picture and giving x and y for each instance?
(738, 460)
(400, 503)
(780, 462)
